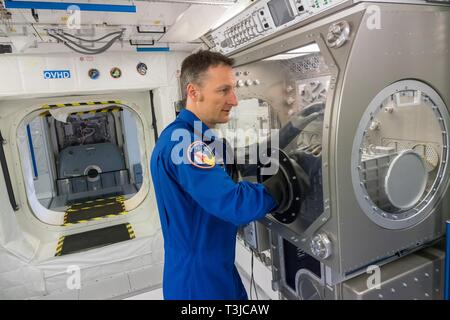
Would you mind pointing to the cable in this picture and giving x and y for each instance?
(100, 50)
(37, 32)
(253, 282)
(251, 278)
(66, 41)
(83, 47)
(89, 49)
(83, 131)
(94, 40)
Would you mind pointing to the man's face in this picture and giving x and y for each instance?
(216, 95)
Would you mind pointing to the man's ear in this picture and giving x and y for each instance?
(191, 91)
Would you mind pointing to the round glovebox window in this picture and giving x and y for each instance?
(400, 152)
(406, 180)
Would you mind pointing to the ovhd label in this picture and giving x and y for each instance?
(56, 74)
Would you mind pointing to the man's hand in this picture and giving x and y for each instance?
(278, 187)
(308, 114)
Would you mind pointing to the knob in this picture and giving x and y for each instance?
(248, 82)
(375, 125)
(389, 109)
(338, 34)
(256, 82)
(240, 83)
(335, 29)
(290, 100)
(321, 246)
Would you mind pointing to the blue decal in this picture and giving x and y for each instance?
(152, 49)
(56, 74)
(46, 5)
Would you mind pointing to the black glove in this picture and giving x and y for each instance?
(301, 176)
(308, 114)
(299, 121)
(280, 185)
(309, 158)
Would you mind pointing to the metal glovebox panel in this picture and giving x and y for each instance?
(386, 117)
(417, 276)
(391, 104)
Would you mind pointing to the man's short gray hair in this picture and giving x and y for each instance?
(197, 64)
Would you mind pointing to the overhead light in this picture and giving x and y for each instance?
(313, 47)
(285, 56)
(302, 51)
(232, 11)
(193, 23)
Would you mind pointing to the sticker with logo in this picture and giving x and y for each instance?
(141, 68)
(115, 73)
(200, 155)
(94, 74)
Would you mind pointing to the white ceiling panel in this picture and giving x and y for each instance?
(193, 23)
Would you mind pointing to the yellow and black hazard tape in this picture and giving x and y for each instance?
(59, 246)
(112, 109)
(112, 215)
(96, 206)
(98, 111)
(78, 104)
(119, 199)
(131, 231)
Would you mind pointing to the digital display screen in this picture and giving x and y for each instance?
(281, 11)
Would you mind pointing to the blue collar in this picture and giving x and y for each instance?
(201, 130)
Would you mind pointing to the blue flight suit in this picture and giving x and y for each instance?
(200, 210)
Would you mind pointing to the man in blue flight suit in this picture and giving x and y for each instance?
(200, 206)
